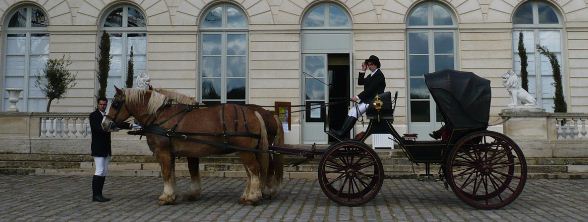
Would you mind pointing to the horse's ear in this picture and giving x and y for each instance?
(118, 91)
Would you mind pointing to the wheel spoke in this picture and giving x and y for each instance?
(465, 171)
(336, 179)
(365, 185)
(342, 186)
(466, 183)
(364, 165)
(476, 184)
(334, 165)
(462, 163)
(507, 175)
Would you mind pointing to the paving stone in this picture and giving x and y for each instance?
(68, 198)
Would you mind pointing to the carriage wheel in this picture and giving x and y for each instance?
(487, 170)
(350, 173)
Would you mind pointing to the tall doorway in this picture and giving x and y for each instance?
(327, 88)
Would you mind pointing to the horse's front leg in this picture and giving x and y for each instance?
(167, 163)
(195, 188)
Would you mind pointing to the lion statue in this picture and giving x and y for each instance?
(518, 95)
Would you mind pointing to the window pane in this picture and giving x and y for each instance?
(16, 44)
(139, 43)
(211, 44)
(34, 92)
(115, 43)
(548, 104)
(419, 16)
(214, 18)
(38, 18)
(443, 62)
(15, 65)
(418, 89)
(115, 67)
(211, 66)
(443, 42)
(235, 18)
(441, 16)
(528, 41)
(37, 64)
(419, 65)
(135, 18)
(546, 14)
(211, 88)
(236, 66)
(337, 16)
(315, 90)
(236, 44)
(419, 111)
(315, 66)
(418, 43)
(551, 40)
(114, 19)
(236, 102)
(316, 17)
(236, 88)
(139, 62)
(19, 19)
(39, 44)
(524, 14)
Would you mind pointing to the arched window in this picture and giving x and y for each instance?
(26, 52)
(127, 29)
(326, 15)
(540, 24)
(223, 55)
(431, 47)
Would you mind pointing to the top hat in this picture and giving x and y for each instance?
(375, 60)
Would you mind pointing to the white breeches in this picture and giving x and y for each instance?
(358, 109)
(101, 164)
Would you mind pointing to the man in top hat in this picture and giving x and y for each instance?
(373, 84)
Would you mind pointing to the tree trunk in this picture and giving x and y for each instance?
(49, 104)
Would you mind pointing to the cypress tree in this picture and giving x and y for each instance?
(560, 103)
(524, 64)
(103, 64)
(130, 70)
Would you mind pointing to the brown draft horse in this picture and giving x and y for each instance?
(204, 125)
(275, 137)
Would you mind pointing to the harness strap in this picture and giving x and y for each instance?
(156, 129)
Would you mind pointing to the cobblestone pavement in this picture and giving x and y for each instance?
(68, 198)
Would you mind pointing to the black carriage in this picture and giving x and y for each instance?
(485, 169)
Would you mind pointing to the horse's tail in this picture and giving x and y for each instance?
(276, 166)
(263, 155)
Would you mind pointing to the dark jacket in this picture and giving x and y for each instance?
(100, 138)
(372, 85)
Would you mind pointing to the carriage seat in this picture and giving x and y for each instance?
(387, 110)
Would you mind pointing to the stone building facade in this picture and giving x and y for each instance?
(263, 51)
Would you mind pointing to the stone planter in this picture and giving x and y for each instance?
(13, 98)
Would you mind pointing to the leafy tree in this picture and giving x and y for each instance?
(560, 103)
(55, 79)
(103, 64)
(130, 71)
(524, 64)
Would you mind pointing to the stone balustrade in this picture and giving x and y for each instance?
(570, 126)
(64, 125)
(542, 134)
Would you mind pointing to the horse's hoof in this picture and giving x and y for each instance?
(167, 200)
(244, 201)
(192, 196)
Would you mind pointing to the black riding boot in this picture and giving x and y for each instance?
(97, 185)
(343, 133)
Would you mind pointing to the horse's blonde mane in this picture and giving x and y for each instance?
(177, 97)
(136, 96)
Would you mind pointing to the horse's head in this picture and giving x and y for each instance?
(117, 113)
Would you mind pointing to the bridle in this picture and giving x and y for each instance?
(116, 104)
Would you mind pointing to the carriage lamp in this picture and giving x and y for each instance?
(378, 103)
